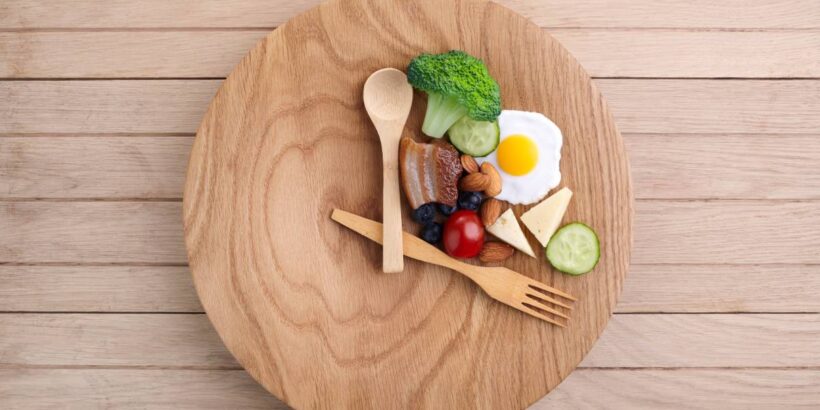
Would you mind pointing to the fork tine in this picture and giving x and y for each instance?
(539, 303)
(532, 312)
(548, 299)
(549, 289)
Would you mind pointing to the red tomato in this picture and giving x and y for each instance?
(463, 234)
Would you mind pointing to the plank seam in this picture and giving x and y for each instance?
(59, 79)
(181, 264)
(98, 134)
(195, 313)
(97, 312)
(18, 366)
(162, 29)
(193, 134)
(179, 199)
(632, 78)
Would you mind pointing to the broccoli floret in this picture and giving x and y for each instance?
(457, 84)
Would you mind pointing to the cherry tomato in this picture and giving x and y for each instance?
(463, 234)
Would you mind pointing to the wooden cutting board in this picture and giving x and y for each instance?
(301, 301)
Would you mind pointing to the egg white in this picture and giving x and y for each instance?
(546, 175)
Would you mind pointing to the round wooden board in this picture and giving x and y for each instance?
(301, 301)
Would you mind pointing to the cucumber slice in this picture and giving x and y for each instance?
(574, 249)
(476, 138)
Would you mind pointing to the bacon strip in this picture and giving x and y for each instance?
(429, 172)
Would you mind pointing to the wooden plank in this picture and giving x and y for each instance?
(639, 106)
(670, 13)
(157, 340)
(685, 388)
(707, 54)
(164, 106)
(84, 389)
(714, 106)
(215, 389)
(122, 167)
(91, 232)
(663, 166)
(721, 288)
(630, 340)
(716, 232)
(97, 289)
(725, 166)
(737, 232)
(124, 54)
(603, 52)
(708, 340)
(31, 14)
(648, 288)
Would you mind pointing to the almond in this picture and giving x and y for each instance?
(469, 164)
(494, 185)
(490, 211)
(474, 182)
(495, 252)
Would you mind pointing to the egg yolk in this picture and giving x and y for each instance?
(517, 155)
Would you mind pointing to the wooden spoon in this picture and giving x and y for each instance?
(387, 99)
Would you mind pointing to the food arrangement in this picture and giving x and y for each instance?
(314, 147)
(480, 159)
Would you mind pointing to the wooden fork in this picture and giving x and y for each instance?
(504, 285)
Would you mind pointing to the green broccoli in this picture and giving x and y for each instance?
(457, 84)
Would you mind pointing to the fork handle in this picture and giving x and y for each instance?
(413, 246)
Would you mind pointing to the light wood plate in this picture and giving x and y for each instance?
(301, 301)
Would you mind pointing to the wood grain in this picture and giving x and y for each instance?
(91, 232)
(97, 289)
(719, 39)
(663, 166)
(728, 231)
(649, 288)
(187, 389)
(284, 143)
(602, 52)
(708, 54)
(709, 106)
(685, 388)
(740, 340)
(164, 106)
(639, 106)
(124, 54)
(124, 340)
(34, 14)
(630, 341)
(84, 389)
(721, 288)
(725, 166)
(123, 167)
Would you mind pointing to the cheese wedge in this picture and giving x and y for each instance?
(507, 229)
(545, 218)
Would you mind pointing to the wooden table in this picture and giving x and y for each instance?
(719, 104)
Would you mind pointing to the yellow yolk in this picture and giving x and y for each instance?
(517, 155)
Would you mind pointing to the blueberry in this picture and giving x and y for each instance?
(469, 200)
(425, 214)
(447, 210)
(431, 233)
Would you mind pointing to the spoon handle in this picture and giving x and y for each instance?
(392, 256)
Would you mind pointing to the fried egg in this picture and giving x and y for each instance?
(527, 157)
